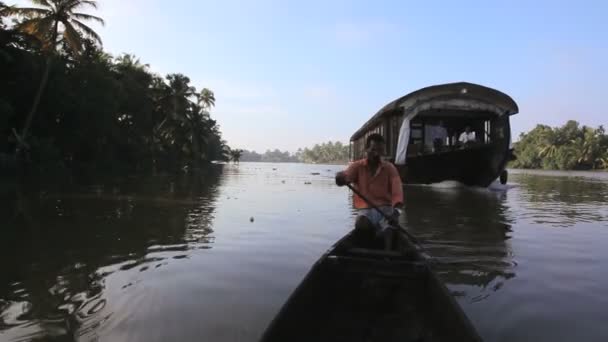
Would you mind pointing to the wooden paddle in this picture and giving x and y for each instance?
(410, 236)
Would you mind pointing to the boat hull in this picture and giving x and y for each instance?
(431, 118)
(353, 294)
(475, 166)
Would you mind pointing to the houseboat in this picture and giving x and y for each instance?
(457, 131)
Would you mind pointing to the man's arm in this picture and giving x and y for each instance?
(347, 176)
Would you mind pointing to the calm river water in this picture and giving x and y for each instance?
(213, 256)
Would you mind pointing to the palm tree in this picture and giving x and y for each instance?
(206, 98)
(548, 143)
(198, 130)
(602, 162)
(3, 13)
(52, 20)
(548, 151)
(174, 102)
(235, 155)
(130, 61)
(3, 9)
(178, 95)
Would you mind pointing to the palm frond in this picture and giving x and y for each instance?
(206, 98)
(72, 37)
(41, 28)
(3, 8)
(84, 16)
(89, 32)
(71, 5)
(42, 3)
(28, 12)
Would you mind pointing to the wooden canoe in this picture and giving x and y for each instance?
(363, 294)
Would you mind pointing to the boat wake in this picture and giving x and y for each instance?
(452, 185)
(496, 186)
(449, 184)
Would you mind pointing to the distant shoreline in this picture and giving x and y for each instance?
(292, 162)
(543, 171)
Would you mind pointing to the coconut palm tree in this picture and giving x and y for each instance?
(3, 9)
(53, 21)
(548, 151)
(206, 98)
(174, 100)
(130, 61)
(602, 162)
(235, 155)
(179, 92)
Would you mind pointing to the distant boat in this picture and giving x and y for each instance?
(411, 124)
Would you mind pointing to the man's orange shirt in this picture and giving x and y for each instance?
(383, 188)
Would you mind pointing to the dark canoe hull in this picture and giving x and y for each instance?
(354, 294)
(475, 166)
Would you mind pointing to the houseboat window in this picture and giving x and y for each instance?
(429, 135)
(488, 132)
(416, 132)
(498, 128)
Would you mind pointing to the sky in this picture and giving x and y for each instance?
(290, 74)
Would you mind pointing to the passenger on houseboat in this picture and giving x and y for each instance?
(467, 136)
(436, 136)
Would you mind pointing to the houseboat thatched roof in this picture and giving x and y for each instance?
(461, 95)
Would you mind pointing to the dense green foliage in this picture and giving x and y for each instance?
(269, 156)
(98, 110)
(570, 147)
(235, 155)
(326, 153)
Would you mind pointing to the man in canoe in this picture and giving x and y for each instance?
(379, 182)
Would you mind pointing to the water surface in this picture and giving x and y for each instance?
(213, 256)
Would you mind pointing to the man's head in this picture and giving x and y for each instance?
(467, 129)
(374, 147)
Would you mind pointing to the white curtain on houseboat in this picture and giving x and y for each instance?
(403, 141)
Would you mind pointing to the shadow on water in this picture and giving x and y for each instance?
(60, 243)
(467, 233)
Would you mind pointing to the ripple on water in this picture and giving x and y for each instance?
(168, 258)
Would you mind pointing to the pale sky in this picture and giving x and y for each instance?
(290, 74)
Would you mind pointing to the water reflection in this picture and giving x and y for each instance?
(466, 231)
(60, 245)
(562, 201)
(178, 259)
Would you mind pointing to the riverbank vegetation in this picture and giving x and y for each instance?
(569, 147)
(325, 153)
(65, 102)
(270, 156)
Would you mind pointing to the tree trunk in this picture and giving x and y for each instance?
(41, 87)
(45, 77)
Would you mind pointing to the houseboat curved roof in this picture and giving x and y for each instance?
(461, 96)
